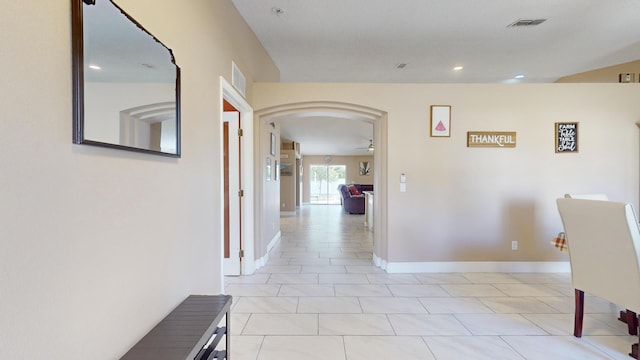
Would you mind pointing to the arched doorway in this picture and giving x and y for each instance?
(265, 124)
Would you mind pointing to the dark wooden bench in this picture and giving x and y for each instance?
(189, 332)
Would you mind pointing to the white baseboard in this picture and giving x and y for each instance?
(379, 262)
(274, 241)
(264, 259)
(475, 266)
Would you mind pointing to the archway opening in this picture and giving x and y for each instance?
(266, 123)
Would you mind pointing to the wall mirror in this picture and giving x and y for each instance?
(126, 84)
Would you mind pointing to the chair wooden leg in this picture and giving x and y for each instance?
(631, 319)
(634, 347)
(579, 315)
(632, 322)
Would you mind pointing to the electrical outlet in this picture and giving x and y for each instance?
(514, 245)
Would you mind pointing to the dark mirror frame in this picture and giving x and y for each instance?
(77, 56)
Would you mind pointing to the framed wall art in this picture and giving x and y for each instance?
(627, 78)
(268, 169)
(365, 168)
(273, 144)
(440, 121)
(497, 139)
(286, 169)
(566, 137)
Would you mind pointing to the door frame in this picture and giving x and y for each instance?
(232, 224)
(231, 95)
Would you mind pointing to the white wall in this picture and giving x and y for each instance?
(468, 204)
(268, 215)
(289, 186)
(106, 101)
(99, 244)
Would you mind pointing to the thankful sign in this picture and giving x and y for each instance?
(502, 139)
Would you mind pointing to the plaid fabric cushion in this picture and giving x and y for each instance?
(560, 242)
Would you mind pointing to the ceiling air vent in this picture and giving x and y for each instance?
(526, 22)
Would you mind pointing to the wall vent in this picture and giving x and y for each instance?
(526, 22)
(238, 80)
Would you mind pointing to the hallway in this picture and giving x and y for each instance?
(320, 297)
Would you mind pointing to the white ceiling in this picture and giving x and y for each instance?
(320, 135)
(364, 40)
(123, 52)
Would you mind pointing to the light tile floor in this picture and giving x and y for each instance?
(320, 297)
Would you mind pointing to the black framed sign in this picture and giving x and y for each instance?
(566, 137)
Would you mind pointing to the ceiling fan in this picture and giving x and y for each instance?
(368, 148)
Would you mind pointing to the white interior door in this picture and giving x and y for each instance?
(231, 264)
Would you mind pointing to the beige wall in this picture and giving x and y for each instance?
(99, 244)
(605, 75)
(268, 216)
(468, 204)
(353, 173)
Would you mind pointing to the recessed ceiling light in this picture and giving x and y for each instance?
(458, 68)
(94, 67)
(519, 76)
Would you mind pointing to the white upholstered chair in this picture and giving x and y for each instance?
(604, 243)
(587, 196)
